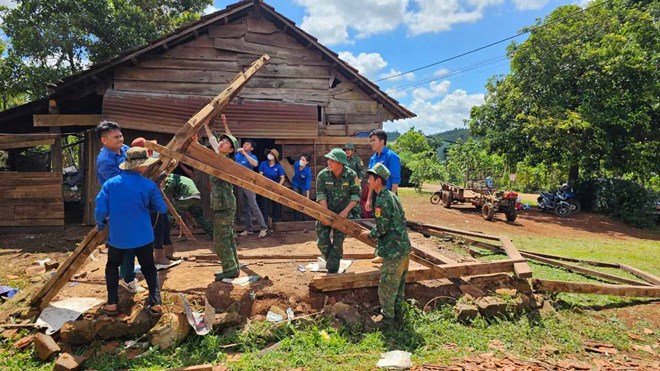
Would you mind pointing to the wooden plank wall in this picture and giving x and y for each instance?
(31, 199)
(294, 74)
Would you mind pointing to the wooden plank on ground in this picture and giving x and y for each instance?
(586, 271)
(575, 260)
(414, 224)
(522, 269)
(648, 277)
(65, 120)
(333, 282)
(593, 288)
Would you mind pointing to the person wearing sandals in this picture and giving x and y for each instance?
(125, 201)
(223, 203)
(272, 170)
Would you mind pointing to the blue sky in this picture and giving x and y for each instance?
(386, 37)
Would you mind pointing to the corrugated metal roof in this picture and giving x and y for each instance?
(167, 113)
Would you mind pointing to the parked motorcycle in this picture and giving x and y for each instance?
(554, 201)
(570, 197)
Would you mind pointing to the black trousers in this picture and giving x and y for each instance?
(145, 256)
(161, 230)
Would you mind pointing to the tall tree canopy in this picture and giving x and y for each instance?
(53, 38)
(582, 92)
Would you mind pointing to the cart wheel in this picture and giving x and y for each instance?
(488, 211)
(447, 199)
(511, 216)
(435, 199)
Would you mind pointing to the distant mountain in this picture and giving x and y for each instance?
(392, 135)
(442, 141)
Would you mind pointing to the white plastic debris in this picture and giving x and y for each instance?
(320, 265)
(289, 314)
(273, 317)
(396, 359)
(241, 281)
(55, 314)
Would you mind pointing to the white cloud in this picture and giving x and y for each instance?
(367, 63)
(396, 94)
(440, 72)
(395, 75)
(435, 89)
(441, 15)
(8, 3)
(208, 10)
(444, 113)
(530, 4)
(340, 21)
(330, 20)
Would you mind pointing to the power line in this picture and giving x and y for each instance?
(444, 75)
(496, 42)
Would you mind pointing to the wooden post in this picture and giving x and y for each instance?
(183, 227)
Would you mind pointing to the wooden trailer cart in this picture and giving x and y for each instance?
(488, 200)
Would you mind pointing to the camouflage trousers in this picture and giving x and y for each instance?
(224, 244)
(331, 250)
(193, 206)
(356, 212)
(392, 285)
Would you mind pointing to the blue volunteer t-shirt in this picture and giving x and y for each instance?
(241, 159)
(271, 172)
(302, 179)
(107, 163)
(392, 162)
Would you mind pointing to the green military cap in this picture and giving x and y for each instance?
(338, 155)
(349, 146)
(232, 139)
(380, 170)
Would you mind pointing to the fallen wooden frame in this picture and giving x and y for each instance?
(179, 142)
(648, 288)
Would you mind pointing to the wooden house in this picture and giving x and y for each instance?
(305, 100)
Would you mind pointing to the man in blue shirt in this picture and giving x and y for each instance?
(248, 199)
(126, 201)
(387, 157)
(108, 160)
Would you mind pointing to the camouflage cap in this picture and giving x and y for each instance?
(232, 139)
(136, 157)
(349, 146)
(380, 170)
(338, 155)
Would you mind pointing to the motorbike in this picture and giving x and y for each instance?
(570, 197)
(554, 201)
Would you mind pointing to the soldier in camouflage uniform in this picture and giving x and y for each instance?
(392, 245)
(338, 190)
(356, 164)
(186, 197)
(223, 203)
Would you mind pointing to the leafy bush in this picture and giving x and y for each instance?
(623, 199)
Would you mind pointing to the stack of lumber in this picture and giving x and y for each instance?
(31, 199)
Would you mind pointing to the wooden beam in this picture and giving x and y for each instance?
(182, 226)
(592, 288)
(583, 261)
(586, 271)
(27, 144)
(522, 269)
(413, 225)
(65, 120)
(349, 280)
(214, 164)
(13, 138)
(326, 140)
(648, 277)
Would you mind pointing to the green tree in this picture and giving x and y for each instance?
(418, 157)
(54, 38)
(469, 161)
(582, 92)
